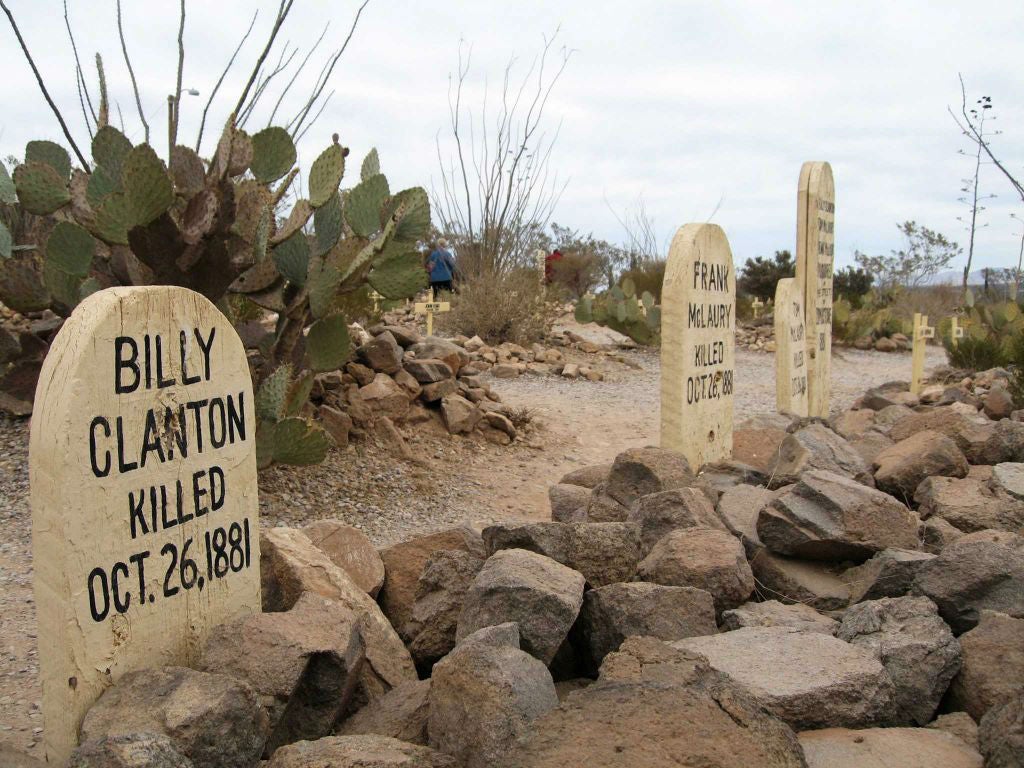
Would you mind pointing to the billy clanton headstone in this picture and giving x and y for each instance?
(698, 335)
(145, 520)
(790, 348)
(815, 252)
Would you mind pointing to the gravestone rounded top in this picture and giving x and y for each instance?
(145, 519)
(790, 348)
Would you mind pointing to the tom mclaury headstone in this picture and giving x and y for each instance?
(790, 348)
(815, 252)
(698, 336)
(145, 520)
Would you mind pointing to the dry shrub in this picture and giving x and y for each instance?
(501, 307)
(647, 277)
(521, 416)
(936, 301)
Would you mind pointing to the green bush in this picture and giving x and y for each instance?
(760, 275)
(976, 354)
(1017, 377)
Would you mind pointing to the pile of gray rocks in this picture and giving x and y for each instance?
(842, 593)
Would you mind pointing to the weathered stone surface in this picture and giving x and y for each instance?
(983, 570)
(816, 447)
(137, 750)
(337, 423)
(738, 509)
(890, 393)
(401, 713)
(290, 565)
(959, 724)
(817, 584)
(970, 504)
(851, 424)
(602, 508)
(1009, 477)
(1001, 733)
(870, 444)
(641, 471)
(428, 371)
(888, 417)
(358, 752)
(1005, 442)
(808, 679)
(542, 596)
(483, 697)
(214, 720)
(935, 533)
(439, 390)
(383, 354)
(718, 477)
(605, 553)
(434, 348)
(889, 573)
(914, 645)
(659, 513)
(757, 446)
(404, 334)
(459, 414)
(568, 502)
(657, 707)
(306, 665)
(772, 613)
(827, 516)
(885, 748)
(440, 593)
(15, 758)
(901, 468)
(349, 549)
(611, 614)
(587, 477)
(998, 403)
(993, 664)
(361, 373)
(404, 562)
(384, 397)
(704, 558)
(969, 432)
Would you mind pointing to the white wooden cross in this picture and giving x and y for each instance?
(756, 305)
(922, 332)
(376, 298)
(429, 307)
(956, 331)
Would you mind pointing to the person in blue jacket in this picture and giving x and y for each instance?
(441, 266)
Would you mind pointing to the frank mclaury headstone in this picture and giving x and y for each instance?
(145, 519)
(698, 338)
(790, 348)
(815, 252)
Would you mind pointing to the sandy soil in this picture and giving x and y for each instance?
(450, 480)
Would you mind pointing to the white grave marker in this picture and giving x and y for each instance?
(698, 338)
(790, 348)
(815, 252)
(145, 519)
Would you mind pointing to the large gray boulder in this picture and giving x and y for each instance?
(1001, 733)
(383, 354)
(738, 508)
(816, 447)
(993, 664)
(914, 645)
(658, 513)
(401, 713)
(214, 720)
(440, 594)
(484, 696)
(541, 595)
(882, 747)
(587, 477)
(568, 502)
(904, 466)
(612, 613)
(136, 750)
(808, 679)
(657, 707)
(890, 573)
(772, 613)
(642, 471)
(1005, 443)
(435, 348)
(978, 571)
(971, 433)
(358, 752)
(605, 553)
(705, 558)
(970, 504)
(826, 516)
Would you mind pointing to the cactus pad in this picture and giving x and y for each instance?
(8, 194)
(328, 343)
(629, 288)
(199, 216)
(272, 394)
(147, 186)
(292, 441)
(363, 207)
(371, 165)
(70, 249)
(262, 238)
(41, 190)
(21, 286)
(292, 258)
(101, 183)
(110, 147)
(273, 154)
(327, 224)
(241, 153)
(298, 394)
(322, 284)
(51, 153)
(414, 205)
(6, 241)
(647, 298)
(187, 170)
(296, 220)
(401, 276)
(325, 175)
(256, 278)
(113, 220)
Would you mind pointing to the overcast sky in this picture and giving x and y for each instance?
(685, 104)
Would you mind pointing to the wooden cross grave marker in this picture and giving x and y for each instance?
(376, 298)
(956, 331)
(429, 307)
(922, 332)
(756, 305)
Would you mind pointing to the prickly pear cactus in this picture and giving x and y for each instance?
(621, 310)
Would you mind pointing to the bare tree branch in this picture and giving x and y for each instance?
(282, 14)
(209, 101)
(173, 137)
(316, 117)
(298, 72)
(972, 132)
(131, 72)
(282, 64)
(84, 88)
(42, 87)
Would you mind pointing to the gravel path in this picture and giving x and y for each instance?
(449, 480)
